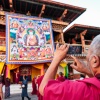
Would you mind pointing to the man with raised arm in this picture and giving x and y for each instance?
(86, 89)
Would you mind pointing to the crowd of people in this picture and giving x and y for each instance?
(24, 86)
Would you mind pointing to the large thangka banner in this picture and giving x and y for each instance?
(28, 40)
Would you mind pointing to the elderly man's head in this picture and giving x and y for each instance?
(93, 57)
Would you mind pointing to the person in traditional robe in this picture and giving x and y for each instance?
(24, 88)
(16, 77)
(86, 89)
(37, 84)
(7, 88)
(34, 91)
(40, 97)
(61, 78)
(1, 86)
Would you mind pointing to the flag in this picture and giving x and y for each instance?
(66, 71)
(1, 67)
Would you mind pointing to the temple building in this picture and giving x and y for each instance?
(61, 15)
(80, 37)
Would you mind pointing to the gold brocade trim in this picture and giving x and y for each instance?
(2, 48)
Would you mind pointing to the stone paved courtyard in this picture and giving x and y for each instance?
(18, 97)
(15, 92)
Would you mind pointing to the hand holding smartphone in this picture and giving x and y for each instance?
(73, 48)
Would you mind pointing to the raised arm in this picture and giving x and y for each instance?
(59, 55)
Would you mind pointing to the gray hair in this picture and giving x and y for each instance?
(95, 45)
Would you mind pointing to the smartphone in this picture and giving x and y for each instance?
(75, 49)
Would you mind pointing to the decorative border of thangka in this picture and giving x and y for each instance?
(28, 40)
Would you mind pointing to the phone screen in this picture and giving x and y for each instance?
(75, 49)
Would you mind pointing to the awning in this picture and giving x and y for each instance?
(2, 48)
(1, 66)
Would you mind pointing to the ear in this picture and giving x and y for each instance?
(95, 61)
